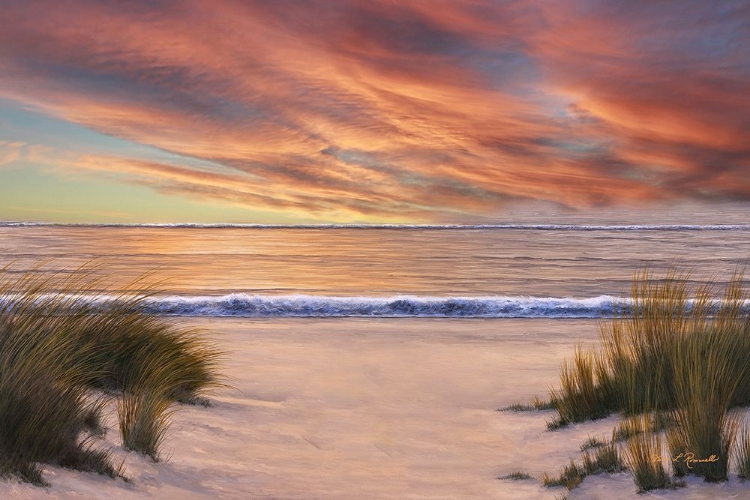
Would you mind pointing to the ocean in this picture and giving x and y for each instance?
(507, 271)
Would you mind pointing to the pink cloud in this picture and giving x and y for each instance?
(415, 109)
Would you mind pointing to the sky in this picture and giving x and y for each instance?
(409, 111)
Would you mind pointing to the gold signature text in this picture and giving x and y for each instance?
(688, 458)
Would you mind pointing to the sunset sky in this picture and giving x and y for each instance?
(409, 111)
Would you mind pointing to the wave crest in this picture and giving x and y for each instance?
(257, 306)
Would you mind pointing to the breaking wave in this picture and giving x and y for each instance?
(257, 306)
(243, 305)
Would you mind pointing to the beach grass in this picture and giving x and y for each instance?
(144, 419)
(570, 477)
(606, 458)
(592, 442)
(580, 396)
(656, 341)
(516, 476)
(674, 362)
(535, 405)
(65, 350)
(643, 454)
(704, 387)
(630, 427)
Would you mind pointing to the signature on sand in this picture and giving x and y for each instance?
(688, 458)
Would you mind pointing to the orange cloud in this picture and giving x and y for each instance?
(394, 111)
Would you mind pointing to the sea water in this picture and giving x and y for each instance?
(519, 271)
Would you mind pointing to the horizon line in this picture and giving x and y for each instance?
(518, 226)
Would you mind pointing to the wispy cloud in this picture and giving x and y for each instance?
(351, 109)
(11, 152)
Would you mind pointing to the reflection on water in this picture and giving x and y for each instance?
(346, 262)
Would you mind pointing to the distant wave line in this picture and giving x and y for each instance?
(531, 227)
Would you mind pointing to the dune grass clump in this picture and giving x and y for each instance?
(144, 419)
(592, 442)
(570, 477)
(517, 407)
(535, 405)
(676, 360)
(516, 476)
(66, 350)
(88, 458)
(606, 459)
(704, 386)
(43, 403)
(627, 429)
(630, 427)
(658, 339)
(581, 397)
(643, 454)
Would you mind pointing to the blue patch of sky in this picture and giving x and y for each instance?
(20, 123)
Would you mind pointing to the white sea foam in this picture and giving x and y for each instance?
(314, 306)
(245, 305)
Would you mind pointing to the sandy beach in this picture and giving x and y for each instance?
(372, 409)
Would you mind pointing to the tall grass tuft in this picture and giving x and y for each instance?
(705, 381)
(144, 419)
(606, 459)
(88, 458)
(592, 442)
(580, 396)
(654, 343)
(516, 476)
(643, 452)
(61, 344)
(570, 477)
